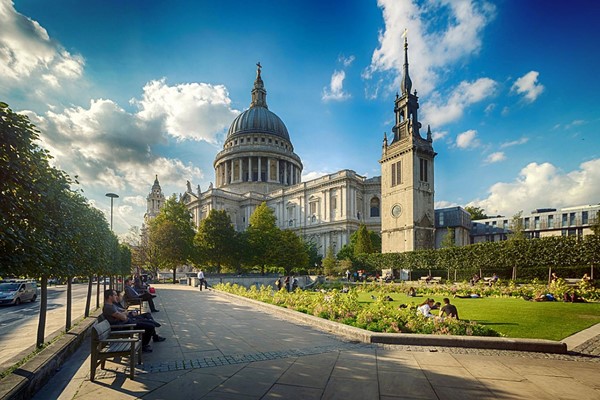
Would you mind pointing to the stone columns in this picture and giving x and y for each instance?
(259, 169)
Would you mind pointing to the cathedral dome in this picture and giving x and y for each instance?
(258, 119)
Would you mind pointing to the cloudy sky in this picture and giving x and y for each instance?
(126, 90)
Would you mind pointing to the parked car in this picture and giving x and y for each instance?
(18, 292)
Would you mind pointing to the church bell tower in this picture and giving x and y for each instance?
(407, 212)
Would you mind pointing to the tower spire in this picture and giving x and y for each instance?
(406, 84)
(259, 94)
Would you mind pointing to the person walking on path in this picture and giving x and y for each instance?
(202, 280)
(131, 293)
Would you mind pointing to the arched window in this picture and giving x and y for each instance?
(374, 207)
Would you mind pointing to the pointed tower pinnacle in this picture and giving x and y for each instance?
(406, 84)
(259, 94)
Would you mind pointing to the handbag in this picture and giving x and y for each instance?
(151, 290)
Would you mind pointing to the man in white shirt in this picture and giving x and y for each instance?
(201, 280)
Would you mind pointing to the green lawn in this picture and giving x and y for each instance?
(518, 318)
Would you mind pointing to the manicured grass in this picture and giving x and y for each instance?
(516, 317)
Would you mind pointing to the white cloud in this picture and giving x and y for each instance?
(437, 135)
(517, 142)
(457, 34)
(310, 175)
(138, 201)
(528, 86)
(495, 157)
(444, 204)
(335, 91)
(197, 111)
(467, 139)
(346, 61)
(465, 94)
(29, 56)
(544, 185)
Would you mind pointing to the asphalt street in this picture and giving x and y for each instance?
(19, 324)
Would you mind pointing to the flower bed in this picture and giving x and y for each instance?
(379, 316)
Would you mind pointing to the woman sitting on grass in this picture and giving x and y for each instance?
(425, 308)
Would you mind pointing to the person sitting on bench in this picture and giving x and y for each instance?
(111, 312)
(131, 293)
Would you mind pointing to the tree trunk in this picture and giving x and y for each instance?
(174, 275)
(69, 304)
(88, 299)
(43, 308)
(98, 291)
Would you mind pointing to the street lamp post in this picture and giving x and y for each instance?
(112, 197)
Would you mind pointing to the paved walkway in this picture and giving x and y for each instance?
(217, 349)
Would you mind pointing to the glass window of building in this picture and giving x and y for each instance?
(374, 207)
(536, 221)
(584, 217)
(550, 221)
(527, 223)
(572, 219)
(564, 219)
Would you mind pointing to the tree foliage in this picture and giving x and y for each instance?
(262, 235)
(449, 239)
(476, 212)
(289, 253)
(216, 241)
(171, 235)
(46, 227)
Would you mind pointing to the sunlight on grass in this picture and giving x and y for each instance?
(515, 317)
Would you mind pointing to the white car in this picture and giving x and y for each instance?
(18, 292)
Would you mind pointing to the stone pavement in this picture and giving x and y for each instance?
(220, 349)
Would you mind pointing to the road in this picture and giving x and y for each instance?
(18, 324)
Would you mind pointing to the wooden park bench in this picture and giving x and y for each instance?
(574, 282)
(434, 279)
(108, 343)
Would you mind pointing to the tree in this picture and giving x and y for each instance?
(363, 244)
(290, 252)
(517, 229)
(172, 235)
(449, 239)
(262, 234)
(216, 240)
(314, 258)
(329, 262)
(476, 212)
(595, 226)
(347, 252)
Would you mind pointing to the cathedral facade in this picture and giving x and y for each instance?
(258, 164)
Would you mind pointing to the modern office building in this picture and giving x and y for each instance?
(542, 222)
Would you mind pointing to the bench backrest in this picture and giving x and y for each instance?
(101, 331)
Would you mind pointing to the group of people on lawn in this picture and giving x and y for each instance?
(446, 311)
(116, 313)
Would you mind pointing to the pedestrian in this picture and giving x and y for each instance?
(202, 280)
(347, 275)
(278, 284)
(287, 283)
(294, 283)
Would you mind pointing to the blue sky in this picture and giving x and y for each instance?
(124, 90)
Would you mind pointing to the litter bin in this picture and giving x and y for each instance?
(183, 281)
(194, 282)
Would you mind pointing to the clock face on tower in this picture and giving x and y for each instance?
(396, 210)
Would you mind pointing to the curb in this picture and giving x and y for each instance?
(409, 339)
(26, 380)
